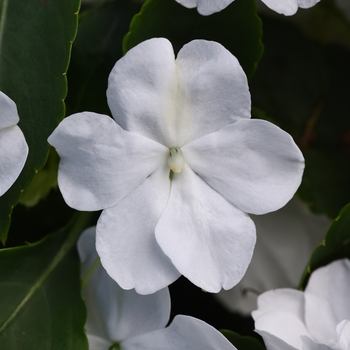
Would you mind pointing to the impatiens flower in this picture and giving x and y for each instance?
(283, 235)
(317, 319)
(134, 321)
(13, 146)
(177, 169)
(285, 7)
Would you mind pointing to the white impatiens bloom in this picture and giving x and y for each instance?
(317, 319)
(13, 146)
(177, 169)
(134, 321)
(290, 232)
(285, 7)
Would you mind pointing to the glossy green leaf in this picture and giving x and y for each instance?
(41, 306)
(303, 86)
(35, 44)
(97, 47)
(336, 245)
(237, 28)
(243, 342)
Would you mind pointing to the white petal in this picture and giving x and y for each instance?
(9, 115)
(13, 155)
(309, 344)
(215, 88)
(294, 231)
(96, 343)
(206, 7)
(281, 313)
(184, 332)
(328, 290)
(175, 102)
(343, 332)
(115, 314)
(208, 240)
(289, 7)
(254, 164)
(126, 241)
(100, 162)
(275, 343)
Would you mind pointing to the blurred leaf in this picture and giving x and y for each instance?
(97, 47)
(237, 28)
(36, 37)
(44, 181)
(243, 342)
(41, 306)
(303, 86)
(336, 245)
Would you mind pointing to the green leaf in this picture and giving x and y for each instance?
(243, 342)
(44, 181)
(336, 245)
(41, 306)
(35, 44)
(96, 49)
(237, 28)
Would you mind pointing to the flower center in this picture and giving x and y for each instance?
(176, 160)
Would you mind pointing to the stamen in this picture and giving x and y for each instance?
(176, 160)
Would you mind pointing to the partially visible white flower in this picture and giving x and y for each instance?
(285, 7)
(317, 319)
(13, 146)
(136, 322)
(177, 169)
(285, 241)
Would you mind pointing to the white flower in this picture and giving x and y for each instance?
(136, 321)
(13, 146)
(191, 115)
(283, 235)
(285, 7)
(317, 319)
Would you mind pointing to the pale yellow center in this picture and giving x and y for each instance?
(176, 160)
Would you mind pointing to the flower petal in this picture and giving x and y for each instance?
(96, 343)
(126, 242)
(289, 7)
(100, 162)
(343, 332)
(13, 155)
(206, 7)
(294, 230)
(274, 343)
(281, 313)
(175, 102)
(309, 344)
(208, 240)
(241, 163)
(115, 314)
(9, 114)
(328, 290)
(184, 332)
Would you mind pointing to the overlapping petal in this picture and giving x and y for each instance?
(126, 242)
(294, 230)
(208, 240)
(174, 102)
(285, 7)
(13, 146)
(329, 291)
(308, 320)
(100, 162)
(254, 164)
(115, 314)
(184, 332)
